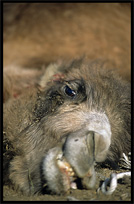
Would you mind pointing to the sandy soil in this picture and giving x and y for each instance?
(122, 192)
(37, 34)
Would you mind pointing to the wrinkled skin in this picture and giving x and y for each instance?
(77, 120)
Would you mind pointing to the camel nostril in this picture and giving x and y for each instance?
(90, 142)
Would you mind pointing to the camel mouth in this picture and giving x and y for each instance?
(68, 174)
(69, 177)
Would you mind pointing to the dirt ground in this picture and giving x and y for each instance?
(122, 193)
(36, 34)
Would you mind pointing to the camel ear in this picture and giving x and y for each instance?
(51, 73)
(102, 144)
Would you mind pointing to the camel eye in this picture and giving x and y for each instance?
(70, 92)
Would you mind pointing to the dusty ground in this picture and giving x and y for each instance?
(122, 193)
(37, 34)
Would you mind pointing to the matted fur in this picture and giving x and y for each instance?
(46, 117)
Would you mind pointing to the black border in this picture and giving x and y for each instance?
(1, 95)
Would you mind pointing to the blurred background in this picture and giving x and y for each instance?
(41, 33)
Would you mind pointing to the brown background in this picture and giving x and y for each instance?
(40, 33)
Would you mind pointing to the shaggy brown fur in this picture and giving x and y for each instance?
(87, 109)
